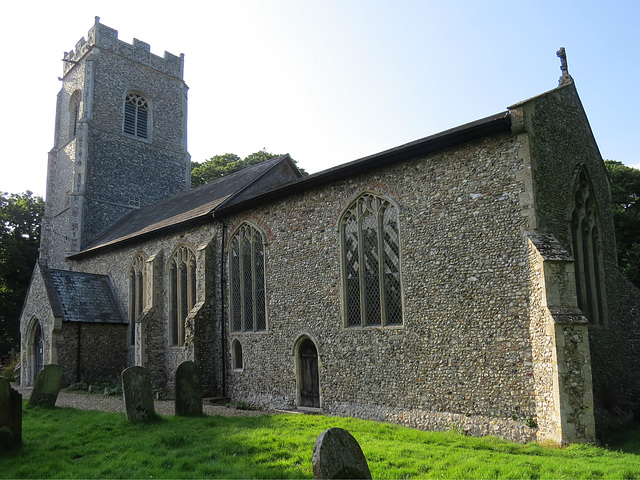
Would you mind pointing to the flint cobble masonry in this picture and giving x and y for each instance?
(492, 338)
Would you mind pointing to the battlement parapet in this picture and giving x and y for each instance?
(107, 38)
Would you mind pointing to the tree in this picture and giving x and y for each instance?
(625, 198)
(19, 242)
(221, 165)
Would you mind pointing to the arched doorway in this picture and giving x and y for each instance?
(36, 352)
(308, 374)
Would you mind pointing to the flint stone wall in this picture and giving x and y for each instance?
(464, 350)
(100, 347)
(97, 173)
(203, 331)
(562, 144)
(36, 309)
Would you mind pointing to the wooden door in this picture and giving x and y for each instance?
(310, 384)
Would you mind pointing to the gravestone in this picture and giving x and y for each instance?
(336, 454)
(188, 390)
(10, 415)
(47, 387)
(138, 398)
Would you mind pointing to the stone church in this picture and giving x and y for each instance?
(464, 280)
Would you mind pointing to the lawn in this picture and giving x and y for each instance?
(68, 443)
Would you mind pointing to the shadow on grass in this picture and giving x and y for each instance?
(623, 439)
(68, 443)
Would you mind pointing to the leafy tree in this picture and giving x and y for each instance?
(625, 197)
(221, 165)
(19, 241)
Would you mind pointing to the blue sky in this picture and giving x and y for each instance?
(332, 81)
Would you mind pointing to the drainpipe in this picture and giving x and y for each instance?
(79, 353)
(222, 324)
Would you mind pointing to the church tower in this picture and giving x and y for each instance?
(120, 140)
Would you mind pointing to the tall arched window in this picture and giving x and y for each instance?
(371, 263)
(74, 113)
(246, 274)
(586, 251)
(136, 115)
(182, 292)
(137, 277)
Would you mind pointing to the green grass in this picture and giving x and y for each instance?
(68, 443)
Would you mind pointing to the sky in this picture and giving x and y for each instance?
(334, 80)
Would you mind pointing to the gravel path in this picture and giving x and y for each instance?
(112, 403)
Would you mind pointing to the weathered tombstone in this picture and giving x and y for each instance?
(10, 415)
(47, 387)
(188, 390)
(138, 398)
(336, 454)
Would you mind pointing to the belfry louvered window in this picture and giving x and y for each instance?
(182, 292)
(371, 263)
(586, 251)
(136, 115)
(246, 272)
(136, 295)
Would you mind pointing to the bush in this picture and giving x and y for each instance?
(78, 387)
(11, 371)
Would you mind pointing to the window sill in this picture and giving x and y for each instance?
(374, 327)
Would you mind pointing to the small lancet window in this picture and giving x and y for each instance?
(247, 284)
(371, 263)
(587, 251)
(237, 355)
(136, 115)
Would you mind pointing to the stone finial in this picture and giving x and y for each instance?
(565, 79)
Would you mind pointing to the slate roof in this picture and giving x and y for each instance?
(223, 196)
(484, 127)
(82, 297)
(193, 206)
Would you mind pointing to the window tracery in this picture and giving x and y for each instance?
(137, 281)
(371, 263)
(247, 283)
(136, 115)
(587, 252)
(182, 292)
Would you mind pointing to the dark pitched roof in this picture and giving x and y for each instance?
(484, 127)
(223, 196)
(190, 207)
(82, 297)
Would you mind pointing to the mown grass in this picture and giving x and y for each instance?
(68, 443)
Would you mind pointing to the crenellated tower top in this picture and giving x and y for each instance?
(105, 37)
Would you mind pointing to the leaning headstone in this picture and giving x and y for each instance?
(138, 398)
(45, 391)
(188, 390)
(336, 454)
(10, 415)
